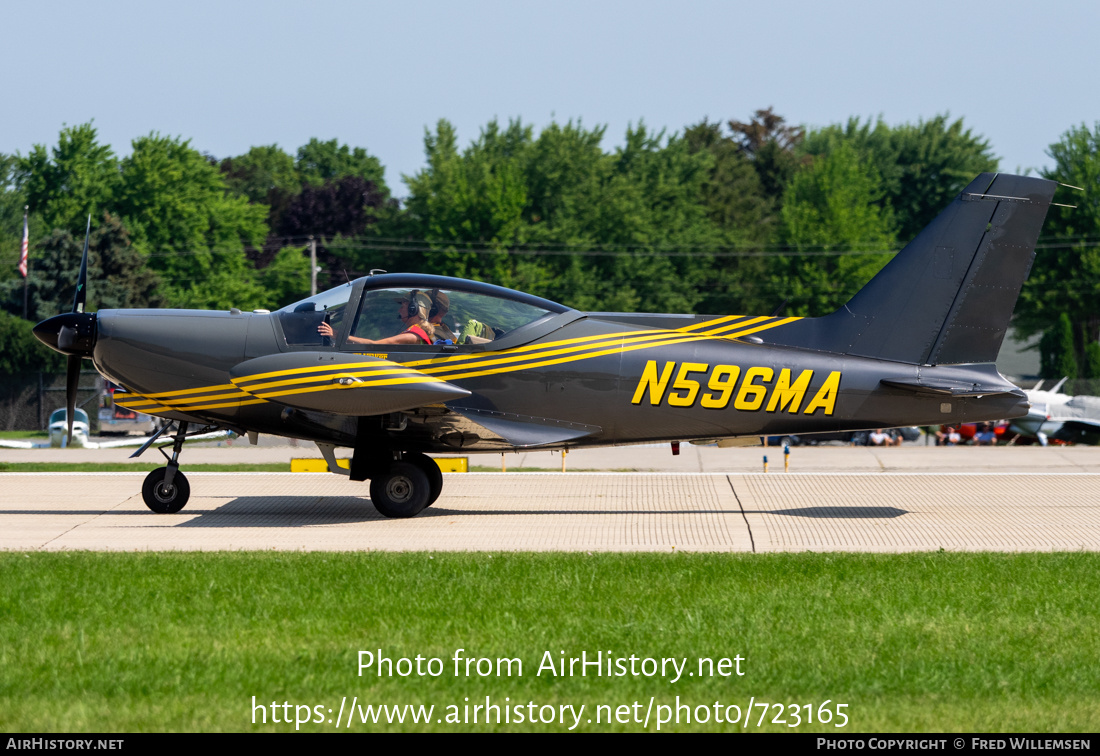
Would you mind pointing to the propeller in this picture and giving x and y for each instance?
(72, 368)
(72, 333)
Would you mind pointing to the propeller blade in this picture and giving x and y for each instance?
(72, 379)
(82, 280)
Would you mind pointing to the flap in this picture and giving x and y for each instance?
(525, 430)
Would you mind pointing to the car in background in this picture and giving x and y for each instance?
(116, 420)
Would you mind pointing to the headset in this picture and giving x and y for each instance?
(412, 309)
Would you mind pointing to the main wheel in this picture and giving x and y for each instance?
(164, 499)
(402, 491)
(431, 469)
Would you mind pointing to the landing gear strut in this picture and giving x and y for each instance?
(165, 489)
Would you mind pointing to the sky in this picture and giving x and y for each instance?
(230, 75)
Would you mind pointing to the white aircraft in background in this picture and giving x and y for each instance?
(59, 431)
(1055, 416)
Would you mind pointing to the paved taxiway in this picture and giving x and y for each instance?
(707, 499)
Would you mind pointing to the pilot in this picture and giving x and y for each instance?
(413, 313)
(441, 305)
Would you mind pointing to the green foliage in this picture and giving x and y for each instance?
(286, 278)
(1065, 278)
(118, 275)
(1091, 364)
(319, 162)
(963, 642)
(259, 172)
(1057, 354)
(78, 177)
(175, 202)
(21, 352)
(833, 205)
(772, 146)
(623, 220)
(922, 166)
(1065, 360)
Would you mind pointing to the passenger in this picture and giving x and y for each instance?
(441, 305)
(413, 313)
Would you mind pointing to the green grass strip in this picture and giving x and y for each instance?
(918, 642)
(136, 467)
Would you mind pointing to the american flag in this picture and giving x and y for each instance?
(23, 253)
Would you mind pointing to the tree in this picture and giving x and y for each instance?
(21, 352)
(286, 278)
(262, 174)
(922, 166)
(1065, 277)
(1057, 353)
(118, 276)
(319, 162)
(77, 177)
(771, 145)
(832, 206)
(175, 202)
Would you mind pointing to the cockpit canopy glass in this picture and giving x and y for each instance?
(456, 317)
(301, 319)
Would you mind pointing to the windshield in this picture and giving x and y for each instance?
(301, 319)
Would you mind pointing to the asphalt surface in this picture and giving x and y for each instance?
(911, 498)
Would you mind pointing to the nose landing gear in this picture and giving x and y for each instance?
(165, 489)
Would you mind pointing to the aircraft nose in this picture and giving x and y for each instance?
(69, 333)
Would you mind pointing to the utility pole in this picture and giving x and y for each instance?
(312, 266)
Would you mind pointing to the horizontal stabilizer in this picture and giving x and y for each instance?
(344, 384)
(959, 391)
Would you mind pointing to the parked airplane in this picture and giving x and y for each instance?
(360, 366)
(1055, 416)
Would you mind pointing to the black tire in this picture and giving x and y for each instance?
(431, 469)
(402, 491)
(164, 501)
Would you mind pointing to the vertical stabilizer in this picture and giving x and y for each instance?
(946, 298)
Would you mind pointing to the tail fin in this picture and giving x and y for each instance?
(946, 298)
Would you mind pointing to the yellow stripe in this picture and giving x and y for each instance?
(414, 374)
(496, 358)
(209, 389)
(365, 384)
(320, 368)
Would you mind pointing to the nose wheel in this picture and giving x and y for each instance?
(165, 497)
(165, 489)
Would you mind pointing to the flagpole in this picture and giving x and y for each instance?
(24, 261)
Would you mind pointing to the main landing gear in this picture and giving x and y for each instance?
(165, 489)
(407, 486)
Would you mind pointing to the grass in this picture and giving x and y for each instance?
(23, 434)
(136, 467)
(923, 642)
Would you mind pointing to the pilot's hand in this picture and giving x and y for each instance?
(325, 330)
